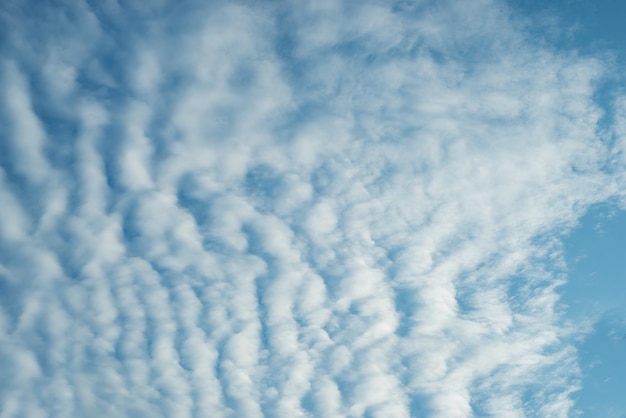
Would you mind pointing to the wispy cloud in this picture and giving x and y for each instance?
(322, 209)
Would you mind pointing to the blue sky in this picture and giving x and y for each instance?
(325, 208)
(595, 291)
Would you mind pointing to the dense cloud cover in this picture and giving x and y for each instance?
(285, 209)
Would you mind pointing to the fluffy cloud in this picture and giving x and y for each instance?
(323, 209)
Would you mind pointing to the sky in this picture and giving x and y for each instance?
(312, 209)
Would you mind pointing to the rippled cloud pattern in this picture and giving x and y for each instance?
(291, 209)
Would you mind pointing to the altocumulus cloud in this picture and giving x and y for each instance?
(285, 209)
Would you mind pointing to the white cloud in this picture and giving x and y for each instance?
(26, 136)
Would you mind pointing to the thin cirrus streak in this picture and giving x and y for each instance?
(278, 209)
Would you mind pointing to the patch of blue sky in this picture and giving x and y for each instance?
(596, 256)
(591, 27)
(594, 297)
(601, 357)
